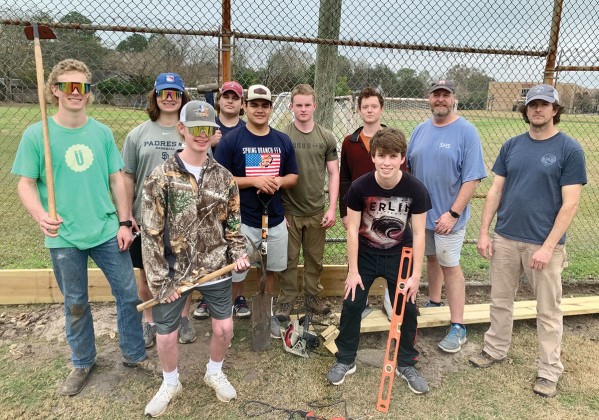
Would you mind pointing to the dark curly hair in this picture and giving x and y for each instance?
(388, 140)
(556, 118)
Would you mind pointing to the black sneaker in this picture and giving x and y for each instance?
(201, 311)
(241, 308)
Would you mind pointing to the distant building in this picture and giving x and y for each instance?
(508, 96)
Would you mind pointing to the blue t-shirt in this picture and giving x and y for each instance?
(535, 171)
(384, 227)
(246, 154)
(226, 130)
(443, 158)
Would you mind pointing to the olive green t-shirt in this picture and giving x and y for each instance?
(312, 151)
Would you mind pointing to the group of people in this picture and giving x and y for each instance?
(187, 195)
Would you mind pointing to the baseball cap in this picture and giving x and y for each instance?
(198, 114)
(448, 85)
(259, 92)
(169, 81)
(232, 86)
(544, 92)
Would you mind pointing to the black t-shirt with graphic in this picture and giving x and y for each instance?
(384, 226)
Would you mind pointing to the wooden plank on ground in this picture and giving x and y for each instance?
(377, 321)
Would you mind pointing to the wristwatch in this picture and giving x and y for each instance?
(454, 214)
(127, 223)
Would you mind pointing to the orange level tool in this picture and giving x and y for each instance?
(405, 268)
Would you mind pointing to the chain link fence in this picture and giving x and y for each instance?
(495, 51)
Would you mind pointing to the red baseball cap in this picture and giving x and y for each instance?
(232, 86)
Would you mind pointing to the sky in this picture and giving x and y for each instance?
(499, 24)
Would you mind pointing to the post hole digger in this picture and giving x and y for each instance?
(253, 257)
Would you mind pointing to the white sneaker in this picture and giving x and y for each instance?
(219, 382)
(157, 406)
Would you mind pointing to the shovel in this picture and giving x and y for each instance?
(261, 302)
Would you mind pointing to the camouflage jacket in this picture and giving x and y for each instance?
(190, 228)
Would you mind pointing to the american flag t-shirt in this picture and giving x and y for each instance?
(261, 164)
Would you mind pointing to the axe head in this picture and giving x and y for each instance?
(43, 32)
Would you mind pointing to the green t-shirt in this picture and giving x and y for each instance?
(82, 160)
(312, 151)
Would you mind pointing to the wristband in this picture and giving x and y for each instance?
(454, 214)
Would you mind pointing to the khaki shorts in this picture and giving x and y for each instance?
(276, 260)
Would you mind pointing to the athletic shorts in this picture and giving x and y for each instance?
(447, 248)
(218, 297)
(276, 260)
(135, 252)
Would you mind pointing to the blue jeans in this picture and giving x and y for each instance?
(70, 270)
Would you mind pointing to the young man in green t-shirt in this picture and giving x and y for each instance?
(307, 220)
(87, 172)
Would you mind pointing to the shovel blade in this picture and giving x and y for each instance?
(45, 32)
(261, 322)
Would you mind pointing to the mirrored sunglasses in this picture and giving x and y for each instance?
(165, 93)
(198, 131)
(69, 87)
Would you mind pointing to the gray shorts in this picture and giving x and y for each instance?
(218, 297)
(276, 259)
(447, 248)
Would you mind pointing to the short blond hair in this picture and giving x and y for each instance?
(303, 89)
(63, 67)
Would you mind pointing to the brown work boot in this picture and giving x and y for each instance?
(147, 364)
(315, 304)
(75, 381)
(545, 388)
(483, 360)
(284, 311)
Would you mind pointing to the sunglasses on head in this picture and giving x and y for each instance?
(198, 131)
(69, 87)
(165, 93)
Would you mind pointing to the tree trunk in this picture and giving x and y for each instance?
(329, 22)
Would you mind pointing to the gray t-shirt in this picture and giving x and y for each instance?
(443, 158)
(147, 146)
(535, 171)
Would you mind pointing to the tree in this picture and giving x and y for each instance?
(286, 67)
(80, 44)
(472, 86)
(325, 73)
(133, 43)
(410, 84)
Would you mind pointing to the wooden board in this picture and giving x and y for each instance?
(39, 286)
(377, 321)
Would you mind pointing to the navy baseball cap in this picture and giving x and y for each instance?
(169, 81)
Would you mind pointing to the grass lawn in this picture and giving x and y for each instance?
(22, 246)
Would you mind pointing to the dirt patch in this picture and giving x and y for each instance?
(35, 334)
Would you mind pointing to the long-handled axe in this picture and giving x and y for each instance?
(36, 32)
(254, 257)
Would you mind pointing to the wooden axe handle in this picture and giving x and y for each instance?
(39, 70)
(182, 289)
